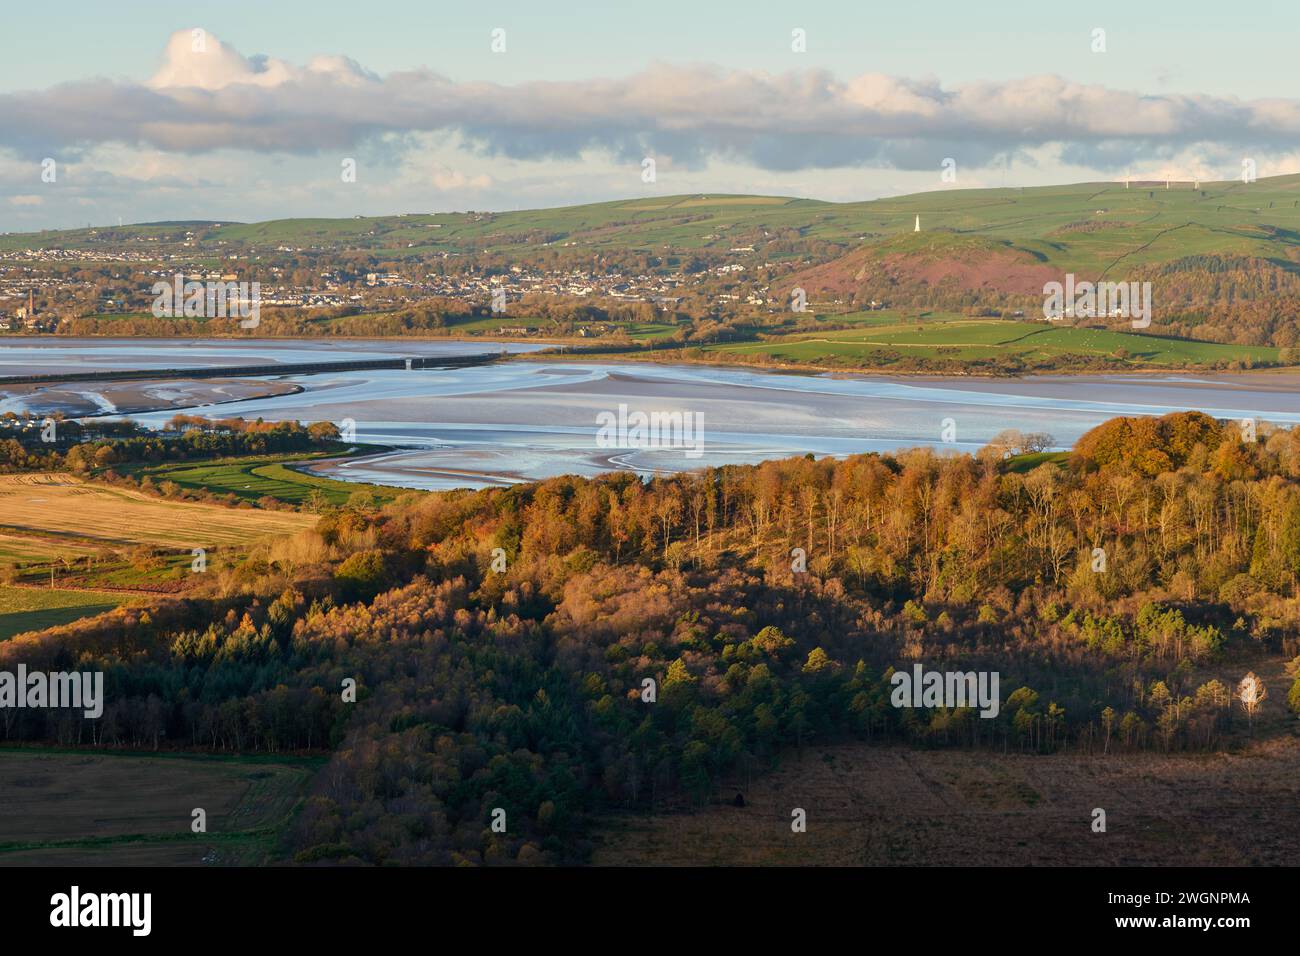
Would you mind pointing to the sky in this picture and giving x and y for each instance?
(123, 112)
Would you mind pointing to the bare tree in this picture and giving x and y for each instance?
(1251, 692)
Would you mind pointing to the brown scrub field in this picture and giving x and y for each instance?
(105, 809)
(890, 805)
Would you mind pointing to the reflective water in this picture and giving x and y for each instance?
(531, 418)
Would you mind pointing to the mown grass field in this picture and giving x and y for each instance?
(61, 507)
(97, 538)
(103, 809)
(25, 609)
(268, 476)
(29, 546)
(889, 317)
(976, 339)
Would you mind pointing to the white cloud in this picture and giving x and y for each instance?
(195, 59)
(220, 99)
(448, 179)
(217, 134)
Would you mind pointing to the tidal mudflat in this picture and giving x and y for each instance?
(519, 421)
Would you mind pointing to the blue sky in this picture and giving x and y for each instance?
(585, 91)
(1226, 48)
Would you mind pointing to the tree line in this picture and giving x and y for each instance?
(560, 649)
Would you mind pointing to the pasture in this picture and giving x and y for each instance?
(984, 339)
(25, 609)
(1086, 227)
(268, 476)
(1100, 228)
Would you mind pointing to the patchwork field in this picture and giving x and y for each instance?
(889, 805)
(81, 808)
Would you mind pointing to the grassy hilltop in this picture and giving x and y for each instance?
(1084, 227)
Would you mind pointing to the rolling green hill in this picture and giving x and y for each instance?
(1090, 228)
(1223, 260)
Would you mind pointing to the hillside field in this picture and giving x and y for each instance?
(870, 805)
(977, 339)
(270, 476)
(113, 809)
(34, 608)
(62, 508)
(97, 543)
(1091, 228)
